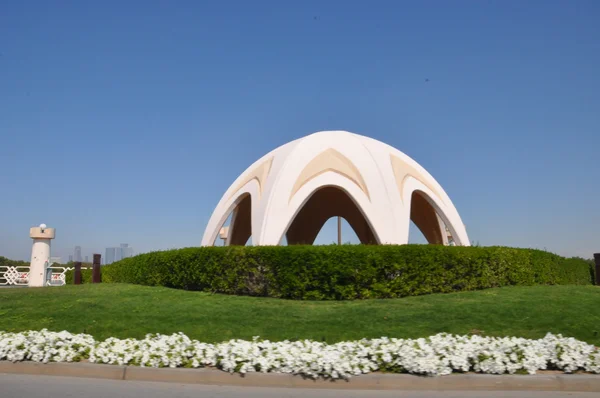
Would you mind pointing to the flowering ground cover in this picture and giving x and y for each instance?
(110, 324)
(441, 354)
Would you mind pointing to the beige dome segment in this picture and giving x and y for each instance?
(292, 191)
(402, 171)
(259, 174)
(330, 160)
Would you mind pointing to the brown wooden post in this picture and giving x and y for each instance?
(96, 276)
(77, 277)
(597, 259)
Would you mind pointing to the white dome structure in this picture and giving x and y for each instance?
(293, 190)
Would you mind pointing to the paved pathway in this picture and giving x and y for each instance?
(17, 386)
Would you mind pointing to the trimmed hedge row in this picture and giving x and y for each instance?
(86, 276)
(346, 271)
(592, 264)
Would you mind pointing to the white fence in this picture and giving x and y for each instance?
(19, 275)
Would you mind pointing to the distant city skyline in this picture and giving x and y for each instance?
(77, 253)
(113, 254)
(110, 254)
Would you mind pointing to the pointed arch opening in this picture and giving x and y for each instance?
(240, 229)
(237, 228)
(415, 236)
(330, 233)
(323, 204)
(427, 220)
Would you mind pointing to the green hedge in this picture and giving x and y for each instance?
(592, 264)
(346, 271)
(86, 276)
(5, 262)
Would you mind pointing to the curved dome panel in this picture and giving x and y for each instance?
(375, 185)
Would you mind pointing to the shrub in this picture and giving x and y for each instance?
(5, 262)
(86, 276)
(347, 271)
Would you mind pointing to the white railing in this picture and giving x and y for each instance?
(58, 278)
(14, 276)
(19, 275)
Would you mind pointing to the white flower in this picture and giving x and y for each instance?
(441, 354)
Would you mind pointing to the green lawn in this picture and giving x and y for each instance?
(132, 311)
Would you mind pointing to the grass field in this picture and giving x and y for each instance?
(118, 310)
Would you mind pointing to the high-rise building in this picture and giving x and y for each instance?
(109, 258)
(77, 253)
(126, 251)
(70, 258)
(87, 259)
(118, 253)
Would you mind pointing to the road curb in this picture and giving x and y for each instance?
(89, 370)
(548, 381)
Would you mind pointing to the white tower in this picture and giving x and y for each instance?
(40, 254)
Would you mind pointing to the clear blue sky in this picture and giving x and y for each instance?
(124, 122)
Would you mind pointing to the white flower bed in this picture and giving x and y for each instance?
(441, 354)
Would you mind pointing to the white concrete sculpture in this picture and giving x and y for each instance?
(293, 190)
(40, 254)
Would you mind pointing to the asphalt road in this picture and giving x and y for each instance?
(17, 386)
